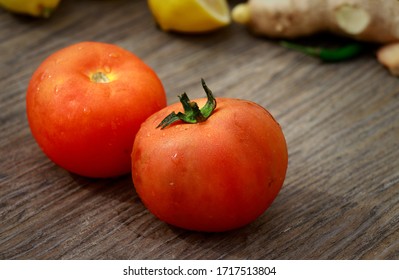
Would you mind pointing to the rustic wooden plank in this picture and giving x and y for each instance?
(340, 199)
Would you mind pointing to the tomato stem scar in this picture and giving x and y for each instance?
(100, 77)
(192, 113)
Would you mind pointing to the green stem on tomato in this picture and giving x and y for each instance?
(192, 113)
(327, 54)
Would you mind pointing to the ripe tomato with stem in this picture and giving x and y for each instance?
(211, 168)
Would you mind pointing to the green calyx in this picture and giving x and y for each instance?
(192, 113)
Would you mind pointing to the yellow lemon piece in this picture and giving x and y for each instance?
(190, 16)
(37, 8)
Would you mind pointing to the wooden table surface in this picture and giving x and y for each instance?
(340, 199)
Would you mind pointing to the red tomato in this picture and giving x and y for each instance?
(85, 104)
(216, 175)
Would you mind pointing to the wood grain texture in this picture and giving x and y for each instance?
(340, 199)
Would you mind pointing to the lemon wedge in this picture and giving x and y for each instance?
(37, 8)
(190, 16)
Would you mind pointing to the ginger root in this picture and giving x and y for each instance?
(388, 56)
(365, 20)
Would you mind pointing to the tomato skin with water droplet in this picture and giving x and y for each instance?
(88, 126)
(213, 176)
